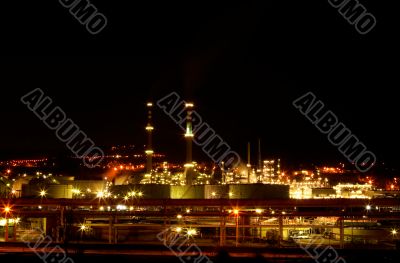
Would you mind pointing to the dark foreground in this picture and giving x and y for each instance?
(13, 253)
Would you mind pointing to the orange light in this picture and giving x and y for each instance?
(7, 209)
(236, 211)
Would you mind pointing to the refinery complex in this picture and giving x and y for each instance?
(134, 197)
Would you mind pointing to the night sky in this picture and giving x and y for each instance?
(242, 64)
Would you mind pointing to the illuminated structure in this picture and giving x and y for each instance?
(149, 148)
(259, 164)
(189, 171)
(248, 163)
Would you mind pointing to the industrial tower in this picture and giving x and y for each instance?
(149, 148)
(189, 166)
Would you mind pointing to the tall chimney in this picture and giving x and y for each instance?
(189, 173)
(259, 168)
(248, 163)
(149, 148)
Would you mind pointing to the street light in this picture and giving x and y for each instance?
(42, 193)
(236, 213)
(7, 210)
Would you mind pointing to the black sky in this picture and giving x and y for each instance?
(241, 63)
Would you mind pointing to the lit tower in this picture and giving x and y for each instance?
(189, 173)
(149, 149)
(259, 167)
(248, 163)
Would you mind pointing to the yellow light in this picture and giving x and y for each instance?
(191, 232)
(7, 209)
(140, 194)
(230, 194)
(189, 135)
(149, 151)
(83, 227)
(42, 193)
(8, 171)
(179, 216)
(258, 211)
(394, 232)
(189, 105)
(236, 211)
(100, 194)
(126, 198)
(368, 207)
(188, 210)
(149, 128)
(178, 229)
(273, 212)
(187, 165)
(149, 104)
(213, 194)
(101, 208)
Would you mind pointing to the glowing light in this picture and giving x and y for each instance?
(394, 232)
(189, 105)
(121, 207)
(8, 171)
(7, 209)
(149, 151)
(213, 194)
(236, 211)
(83, 227)
(100, 194)
(76, 191)
(188, 165)
(140, 194)
(101, 208)
(115, 168)
(189, 135)
(188, 210)
(178, 229)
(191, 232)
(179, 216)
(258, 211)
(126, 198)
(42, 193)
(149, 128)
(368, 207)
(230, 194)
(149, 104)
